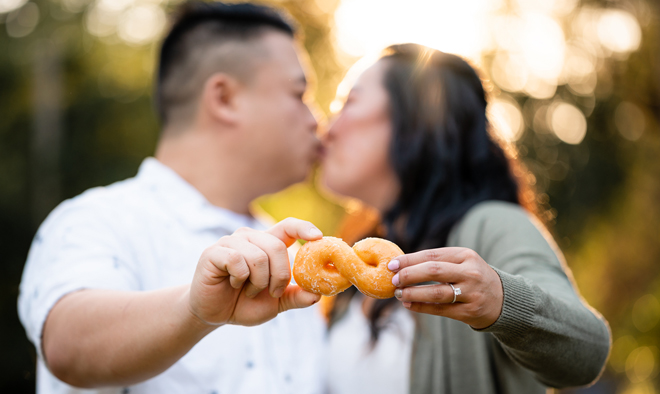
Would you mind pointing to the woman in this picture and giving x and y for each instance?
(498, 312)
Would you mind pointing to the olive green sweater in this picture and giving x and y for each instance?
(546, 336)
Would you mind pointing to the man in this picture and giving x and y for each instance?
(128, 289)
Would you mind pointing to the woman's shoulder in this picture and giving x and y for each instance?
(495, 208)
(497, 226)
(494, 216)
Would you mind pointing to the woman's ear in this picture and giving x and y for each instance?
(218, 98)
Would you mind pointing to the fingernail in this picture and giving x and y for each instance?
(406, 304)
(315, 232)
(317, 300)
(251, 292)
(277, 293)
(398, 293)
(395, 280)
(393, 265)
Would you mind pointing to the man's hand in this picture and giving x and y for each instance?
(244, 278)
(96, 337)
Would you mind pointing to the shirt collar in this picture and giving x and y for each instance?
(186, 203)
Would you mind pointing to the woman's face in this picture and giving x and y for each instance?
(356, 161)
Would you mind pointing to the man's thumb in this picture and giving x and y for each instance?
(294, 298)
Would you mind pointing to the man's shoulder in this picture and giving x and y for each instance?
(108, 203)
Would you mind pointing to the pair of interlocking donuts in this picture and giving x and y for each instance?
(329, 266)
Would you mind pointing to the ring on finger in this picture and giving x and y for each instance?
(457, 292)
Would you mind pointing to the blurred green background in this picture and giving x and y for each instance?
(574, 86)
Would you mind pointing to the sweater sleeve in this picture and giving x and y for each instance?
(545, 326)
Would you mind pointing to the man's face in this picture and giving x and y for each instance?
(280, 128)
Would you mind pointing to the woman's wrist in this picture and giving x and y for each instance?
(517, 307)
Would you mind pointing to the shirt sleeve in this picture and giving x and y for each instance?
(545, 326)
(79, 246)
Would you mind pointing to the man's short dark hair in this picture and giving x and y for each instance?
(199, 31)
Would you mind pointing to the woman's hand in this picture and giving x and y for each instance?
(480, 301)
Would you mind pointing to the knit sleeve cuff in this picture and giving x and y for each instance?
(517, 310)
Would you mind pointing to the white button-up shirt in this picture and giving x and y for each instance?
(147, 233)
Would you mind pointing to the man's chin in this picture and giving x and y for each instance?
(293, 180)
(325, 184)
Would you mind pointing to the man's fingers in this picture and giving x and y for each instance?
(430, 271)
(278, 260)
(289, 230)
(252, 290)
(257, 262)
(449, 255)
(231, 262)
(294, 298)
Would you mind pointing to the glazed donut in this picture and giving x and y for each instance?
(314, 269)
(329, 266)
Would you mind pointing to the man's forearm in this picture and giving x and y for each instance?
(103, 337)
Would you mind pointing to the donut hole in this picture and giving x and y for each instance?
(370, 260)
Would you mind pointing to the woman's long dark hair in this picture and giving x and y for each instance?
(442, 151)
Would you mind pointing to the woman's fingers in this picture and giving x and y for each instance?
(481, 298)
(429, 271)
(452, 311)
(449, 255)
(440, 294)
(289, 230)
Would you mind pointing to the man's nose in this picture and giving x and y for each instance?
(328, 132)
(313, 115)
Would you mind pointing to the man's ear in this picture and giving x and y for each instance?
(219, 98)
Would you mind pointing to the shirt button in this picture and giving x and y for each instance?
(249, 364)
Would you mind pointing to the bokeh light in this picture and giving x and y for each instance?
(629, 120)
(509, 72)
(142, 24)
(641, 363)
(619, 31)
(621, 348)
(646, 313)
(555, 7)
(568, 122)
(527, 47)
(506, 118)
(136, 22)
(23, 21)
(451, 26)
(10, 5)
